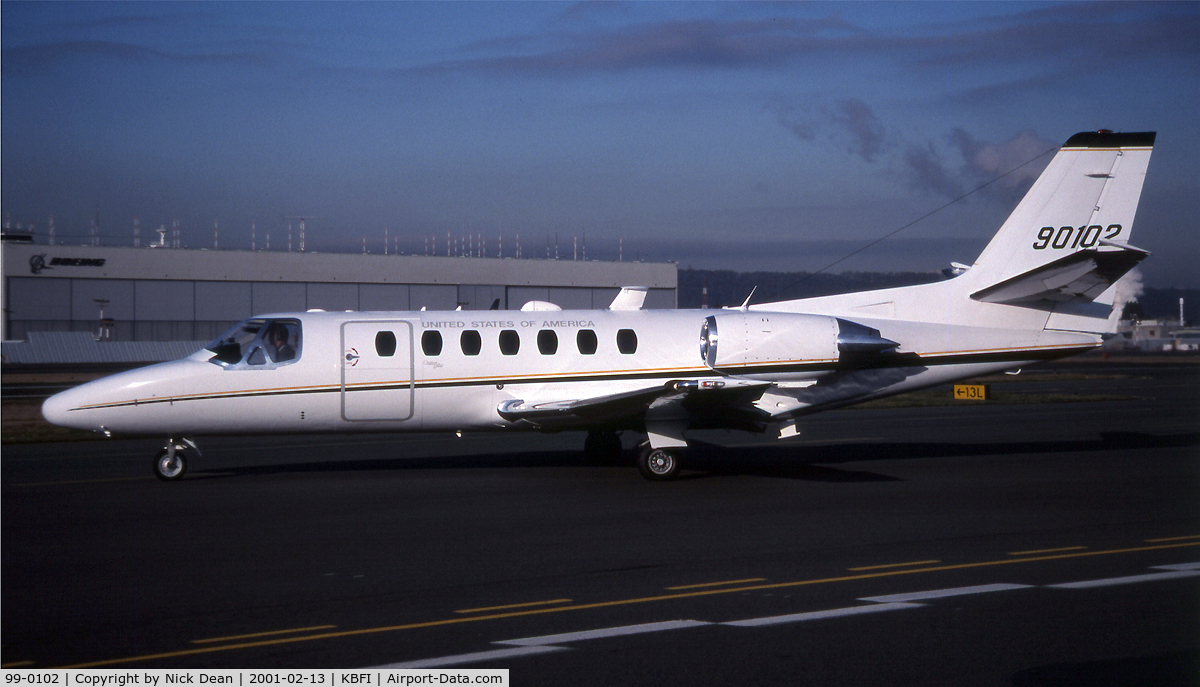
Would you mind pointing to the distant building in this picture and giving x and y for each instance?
(1182, 340)
(1154, 336)
(164, 294)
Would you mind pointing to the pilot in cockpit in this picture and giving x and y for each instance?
(277, 337)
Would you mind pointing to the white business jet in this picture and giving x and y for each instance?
(1039, 291)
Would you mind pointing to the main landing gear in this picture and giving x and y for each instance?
(658, 464)
(171, 461)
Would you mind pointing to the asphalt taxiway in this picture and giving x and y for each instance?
(1028, 544)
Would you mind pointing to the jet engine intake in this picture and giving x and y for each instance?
(775, 345)
(784, 345)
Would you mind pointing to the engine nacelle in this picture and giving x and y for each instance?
(784, 345)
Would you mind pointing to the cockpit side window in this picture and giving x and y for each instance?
(258, 343)
(282, 338)
(234, 344)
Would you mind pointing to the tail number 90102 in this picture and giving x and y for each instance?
(1074, 237)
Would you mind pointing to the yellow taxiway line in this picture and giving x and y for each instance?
(510, 606)
(626, 602)
(254, 635)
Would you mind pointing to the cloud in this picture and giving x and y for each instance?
(929, 173)
(865, 129)
(1091, 33)
(687, 43)
(798, 120)
(1011, 158)
(1075, 34)
(26, 60)
(33, 58)
(849, 121)
(591, 12)
(1005, 169)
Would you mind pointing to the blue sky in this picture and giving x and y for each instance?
(721, 135)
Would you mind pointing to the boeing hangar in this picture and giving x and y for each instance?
(163, 294)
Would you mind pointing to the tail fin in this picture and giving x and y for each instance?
(1068, 239)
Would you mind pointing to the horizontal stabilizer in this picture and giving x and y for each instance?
(1080, 276)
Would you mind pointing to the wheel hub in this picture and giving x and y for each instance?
(661, 462)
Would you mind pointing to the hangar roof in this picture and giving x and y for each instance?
(277, 266)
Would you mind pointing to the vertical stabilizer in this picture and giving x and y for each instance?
(1068, 239)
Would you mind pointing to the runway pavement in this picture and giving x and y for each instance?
(1030, 544)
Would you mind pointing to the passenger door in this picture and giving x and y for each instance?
(377, 371)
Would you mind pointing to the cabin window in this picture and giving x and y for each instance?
(627, 341)
(586, 340)
(385, 344)
(510, 342)
(258, 341)
(470, 342)
(547, 342)
(431, 343)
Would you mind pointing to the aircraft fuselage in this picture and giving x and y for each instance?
(432, 371)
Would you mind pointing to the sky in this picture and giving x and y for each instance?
(744, 136)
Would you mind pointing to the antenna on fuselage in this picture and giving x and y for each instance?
(745, 307)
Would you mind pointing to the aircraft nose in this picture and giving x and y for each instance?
(58, 410)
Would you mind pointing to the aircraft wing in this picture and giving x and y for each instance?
(1080, 276)
(595, 409)
(695, 397)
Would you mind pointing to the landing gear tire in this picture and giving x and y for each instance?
(658, 464)
(602, 448)
(168, 468)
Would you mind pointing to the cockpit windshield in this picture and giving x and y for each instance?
(258, 342)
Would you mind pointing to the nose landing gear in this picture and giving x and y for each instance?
(171, 462)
